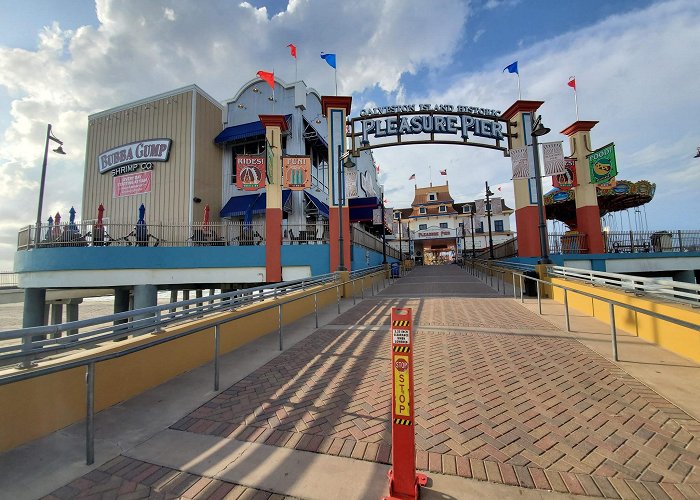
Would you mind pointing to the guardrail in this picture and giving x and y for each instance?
(484, 272)
(157, 318)
(8, 279)
(677, 291)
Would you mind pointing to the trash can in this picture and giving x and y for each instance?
(530, 286)
(395, 270)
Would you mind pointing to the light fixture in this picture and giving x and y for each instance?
(256, 90)
(241, 106)
(697, 155)
(59, 150)
(538, 129)
(271, 98)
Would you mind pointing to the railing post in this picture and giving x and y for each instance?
(566, 310)
(522, 296)
(337, 294)
(613, 331)
(539, 297)
(353, 292)
(680, 241)
(512, 279)
(316, 307)
(90, 415)
(362, 288)
(217, 333)
(279, 322)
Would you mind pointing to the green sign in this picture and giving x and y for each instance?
(602, 164)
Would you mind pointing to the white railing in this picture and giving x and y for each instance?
(677, 291)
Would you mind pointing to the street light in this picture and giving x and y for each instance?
(488, 218)
(59, 150)
(383, 230)
(471, 218)
(536, 131)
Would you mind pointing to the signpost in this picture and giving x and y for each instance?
(404, 483)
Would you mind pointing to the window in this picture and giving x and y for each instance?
(443, 225)
(480, 229)
(422, 211)
(421, 227)
(498, 225)
(397, 215)
(432, 196)
(443, 209)
(467, 209)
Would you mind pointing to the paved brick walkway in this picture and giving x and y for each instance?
(501, 395)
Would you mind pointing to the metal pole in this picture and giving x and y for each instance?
(488, 219)
(362, 288)
(316, 307)
(539, 297)
(337, 293)
(503, 281)
(471, 217)
(341, 202)
(515, 297)
(566, 310)
(90, 416)
(217, 333)
(353, 293)
(383, 231)
(37, 234)
(522, 297)
(279, 323)
(613, 331)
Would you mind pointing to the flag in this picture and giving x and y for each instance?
(572, 82)
(553, 154)
(520, 163)
(413, 176)
(293, 50)
(512, 68)
(329, 58)
(377, 167)
(499, 188)
(443, 172)
(268, 77)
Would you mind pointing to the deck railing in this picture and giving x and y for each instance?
(628, 242)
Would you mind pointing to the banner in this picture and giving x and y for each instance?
(496, 206)
(350, 184)
(297, 172)
(250, 172)
(521, 167)
(553, 154)
(566, 180)
(602, 164)
(132, 184)
(377, 216)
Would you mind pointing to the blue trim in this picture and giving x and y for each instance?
(315, 256)
(361, 208)
(322, 207)
(243, 131)
(250, 204)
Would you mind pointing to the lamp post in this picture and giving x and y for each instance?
(59, 150)
(383, 230)
(538, 130)
(471, 218)
(400, 242)
(488, 218)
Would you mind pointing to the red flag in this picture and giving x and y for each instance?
(293, 50)
(572, 82)
(412, 177)
(443, 172)
(268, 77)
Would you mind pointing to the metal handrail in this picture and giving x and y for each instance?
(90, 362)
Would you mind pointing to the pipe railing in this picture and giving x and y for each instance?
(91, 362)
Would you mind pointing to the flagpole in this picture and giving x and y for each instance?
(576, 102)
(520, 96)
(335, 70)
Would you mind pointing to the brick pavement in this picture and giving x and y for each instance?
(539, 411)
(125, 477)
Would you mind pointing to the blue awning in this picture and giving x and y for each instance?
(250, 204)
(320, 206)
(243, 131)
(361, 208)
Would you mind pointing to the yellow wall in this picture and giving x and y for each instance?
(36, 407)
(683, 341)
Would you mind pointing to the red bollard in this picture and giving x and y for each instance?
(404, 483)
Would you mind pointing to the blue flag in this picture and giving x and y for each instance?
(512, 68)
(329, 58)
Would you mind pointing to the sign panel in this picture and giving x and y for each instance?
(602, 164)
(135, 152)
(402, 381)
(297, 172)
(250, 172)
(519, 161)
(131, 184)
(566, 180)
(350, 183)
(553, 154)
(427, 234)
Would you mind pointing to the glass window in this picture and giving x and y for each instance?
(397, 215)
(421, 210)
(422, 226)
(498, 225)
(480, 228)
(432, 197)
(467, 209)
(443, 225)
(443, 208)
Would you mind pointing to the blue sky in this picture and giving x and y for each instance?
(634, 62)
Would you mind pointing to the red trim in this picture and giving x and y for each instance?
(274, 121)
(273, 244)
(588, 222)
(526, 221)
(333, 220)
(334, 101)
(521, 107)
(579, 126)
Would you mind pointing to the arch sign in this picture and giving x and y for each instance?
(429, 124)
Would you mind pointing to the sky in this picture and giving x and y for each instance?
(635, 63)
